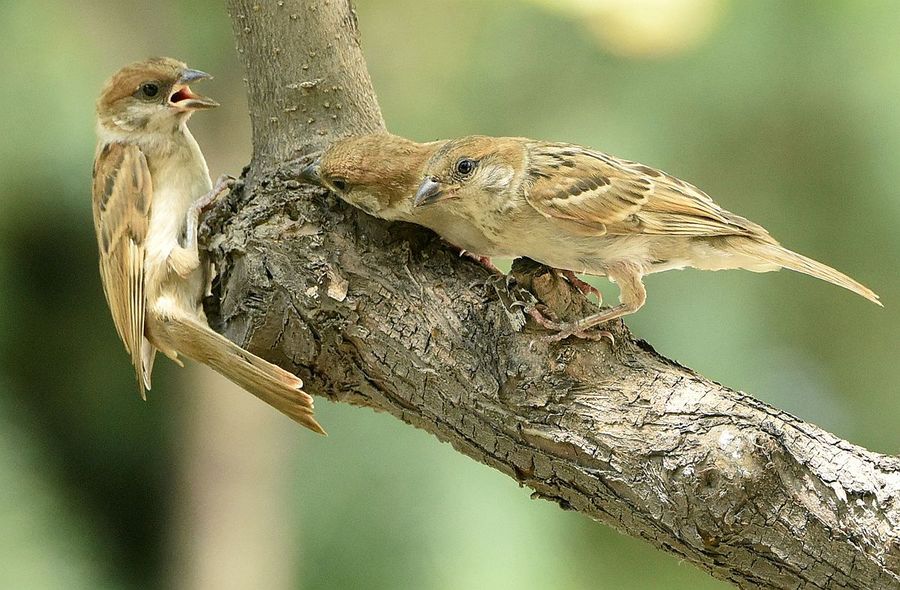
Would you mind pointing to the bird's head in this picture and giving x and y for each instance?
(150, 96)
(377, 173)
(471, 169)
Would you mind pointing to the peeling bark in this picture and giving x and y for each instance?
(383, 315)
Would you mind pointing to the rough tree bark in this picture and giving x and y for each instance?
(383, 315)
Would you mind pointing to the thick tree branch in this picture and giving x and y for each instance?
(383, 315)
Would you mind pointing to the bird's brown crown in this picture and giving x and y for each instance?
(478, 148)
(472, 146)
(383, 164)
(128, 80)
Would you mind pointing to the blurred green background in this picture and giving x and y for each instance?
(785, 112)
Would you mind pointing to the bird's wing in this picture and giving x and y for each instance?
(618, 197)
(122, 193)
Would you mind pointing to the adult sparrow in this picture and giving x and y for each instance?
(150, 184)
(574, 208)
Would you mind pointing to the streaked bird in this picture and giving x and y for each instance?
(150, 185)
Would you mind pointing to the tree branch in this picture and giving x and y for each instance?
(383, 315)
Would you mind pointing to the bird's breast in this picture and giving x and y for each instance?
(459, 231)
(180, 177)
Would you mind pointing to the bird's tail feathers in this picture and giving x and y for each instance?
(785, 258)
(270, 383)
(148, 354)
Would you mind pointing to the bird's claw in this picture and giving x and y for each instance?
(512, 296)
(563, 331)
(484, 261)
(222, 186)
(514, 299)
(543, 316)
(589, 334)
(584, 287)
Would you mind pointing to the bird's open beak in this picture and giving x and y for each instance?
(430, 191)
(182, 98)
(310, 174)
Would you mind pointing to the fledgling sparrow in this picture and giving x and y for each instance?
(150, 183)
(573, 208)
(379, 173)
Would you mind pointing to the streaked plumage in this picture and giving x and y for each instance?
(122, 192)
(150, 184)
(578, 209)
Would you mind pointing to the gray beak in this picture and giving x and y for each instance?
(188, 76)
(429, 192)
(310, 174)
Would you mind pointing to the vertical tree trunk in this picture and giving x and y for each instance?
(306, 75)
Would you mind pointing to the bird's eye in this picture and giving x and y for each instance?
(465, 166)
(339, 183)
(149, 89)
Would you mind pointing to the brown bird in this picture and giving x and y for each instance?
(574, 208)
(150, 184)
(380, 173)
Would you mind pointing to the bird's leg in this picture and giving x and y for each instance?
(223, 184)
(563, 331)
(484, 261)
(513, 299)
(185, 259)
(586, 288)
(632, 296)
(546, 319)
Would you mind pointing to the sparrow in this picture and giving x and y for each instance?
(574, 208)
(379, 173)
(150, 184)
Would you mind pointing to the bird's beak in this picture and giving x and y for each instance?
(188, 76)
(183, 99)
(310, 174)
(430, 191)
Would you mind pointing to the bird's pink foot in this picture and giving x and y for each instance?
(585, 334)
(223, 184)
(586, 288)
(548, 321)
(484, 261)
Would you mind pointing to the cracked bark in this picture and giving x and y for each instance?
(383, 315)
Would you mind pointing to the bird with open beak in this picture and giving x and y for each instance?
(150, 184)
